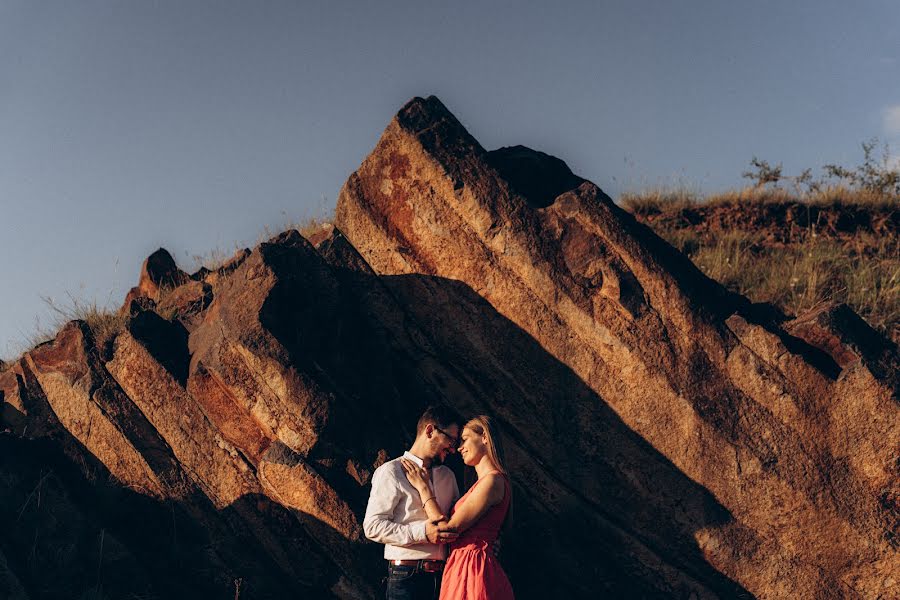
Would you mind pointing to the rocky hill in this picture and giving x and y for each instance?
(666, 437)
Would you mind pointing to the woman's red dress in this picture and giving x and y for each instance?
(472, 571)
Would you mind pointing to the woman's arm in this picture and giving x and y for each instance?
(418, 477)
(488, 492)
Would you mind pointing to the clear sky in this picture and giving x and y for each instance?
(195, 125)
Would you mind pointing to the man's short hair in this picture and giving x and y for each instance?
(440, 415)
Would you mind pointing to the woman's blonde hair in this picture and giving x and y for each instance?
(483, 425)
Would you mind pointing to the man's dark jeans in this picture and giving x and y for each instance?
(408, 582)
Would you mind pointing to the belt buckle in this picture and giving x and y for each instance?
(432, 566)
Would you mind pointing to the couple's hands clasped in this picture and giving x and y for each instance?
(437, 528)
(439, 532)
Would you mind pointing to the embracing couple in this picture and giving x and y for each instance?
(415, 511)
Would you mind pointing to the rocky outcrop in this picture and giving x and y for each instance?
(158, 273)
(757, 417)
(665, 437)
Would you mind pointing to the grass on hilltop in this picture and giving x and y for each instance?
(863, 272)
(861, 269)
(215, 258)
(665, 200)
(105, 323)
(874, 183)
(798, 277)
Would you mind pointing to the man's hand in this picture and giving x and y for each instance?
(446, 533)
(431, 530)
(438, 532)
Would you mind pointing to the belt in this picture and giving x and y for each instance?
(427, 565)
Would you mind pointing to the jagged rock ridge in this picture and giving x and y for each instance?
(666, 438)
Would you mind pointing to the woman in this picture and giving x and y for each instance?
(472, 571)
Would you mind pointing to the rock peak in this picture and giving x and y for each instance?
(537, 176)
(424, 110)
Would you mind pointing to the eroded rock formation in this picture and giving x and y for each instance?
(666, 438)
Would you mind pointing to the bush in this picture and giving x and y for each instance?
(873, 175)
(763, 172)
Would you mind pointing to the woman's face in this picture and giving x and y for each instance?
(471, 447)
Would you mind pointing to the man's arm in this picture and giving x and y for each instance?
(378, 524)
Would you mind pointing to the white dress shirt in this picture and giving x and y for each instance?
(395, 517)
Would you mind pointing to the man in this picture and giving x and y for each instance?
(415, 547)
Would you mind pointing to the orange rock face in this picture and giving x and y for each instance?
(758, 418)
(665, 437)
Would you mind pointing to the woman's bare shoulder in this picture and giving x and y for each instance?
(495, 484)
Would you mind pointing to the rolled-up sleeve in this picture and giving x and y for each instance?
(378, 524)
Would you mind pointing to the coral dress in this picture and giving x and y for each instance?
(472, 571)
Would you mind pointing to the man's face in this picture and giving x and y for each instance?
(443, 441)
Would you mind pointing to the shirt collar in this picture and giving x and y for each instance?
(414, 458)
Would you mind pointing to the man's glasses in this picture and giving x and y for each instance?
(453, 440)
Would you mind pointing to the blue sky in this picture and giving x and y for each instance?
(126, 126)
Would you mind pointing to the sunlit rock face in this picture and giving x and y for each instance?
(760, 458)
(665, 438)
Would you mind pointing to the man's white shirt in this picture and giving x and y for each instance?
(395, 517)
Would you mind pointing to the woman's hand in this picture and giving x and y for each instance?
(418, 477)
(435, 529)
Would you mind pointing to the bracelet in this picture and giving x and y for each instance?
(426, 502)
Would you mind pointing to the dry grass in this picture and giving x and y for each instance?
(211, 260)
(105, 323)
(832, 195)
(799, 276)
(306, 227)
(656, 200)
(661, 200)
(861, 269)
(217, 257)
